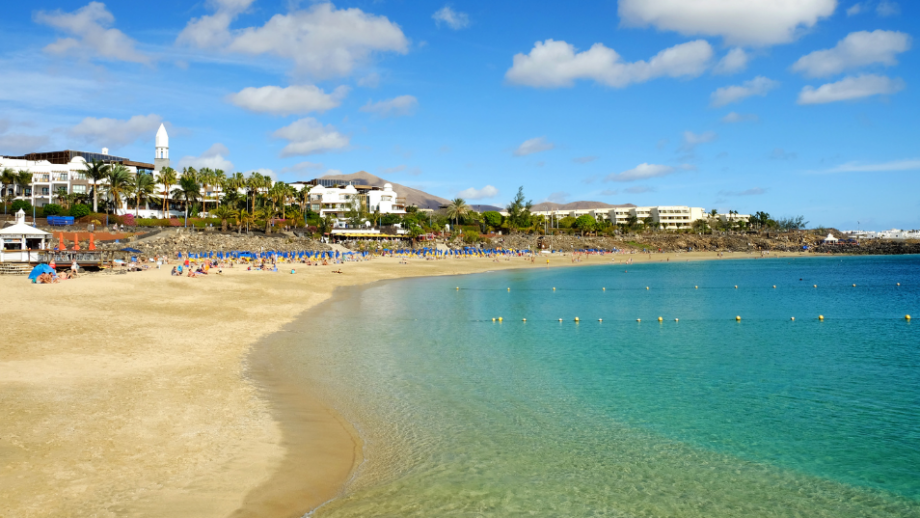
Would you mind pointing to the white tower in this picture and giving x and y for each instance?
(162, 149)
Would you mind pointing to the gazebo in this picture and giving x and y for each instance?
(21, 243)
(830, 239)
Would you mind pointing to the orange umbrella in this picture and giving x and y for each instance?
(92, 242)
(76, 241)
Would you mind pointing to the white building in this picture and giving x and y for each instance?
(337, 200)
(669, 217)
(20, 243)
(161, 158)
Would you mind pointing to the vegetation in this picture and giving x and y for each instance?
(519, 211)
(79, 210)
(52, 209)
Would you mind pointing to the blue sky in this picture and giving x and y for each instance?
(810, 109)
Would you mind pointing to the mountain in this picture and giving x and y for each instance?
(486, 208)
(576, 205)
(420, 199)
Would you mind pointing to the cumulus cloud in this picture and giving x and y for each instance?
(322, 41)
(888, 8)
(641, 172)
(850, 88)
(114, 132)
(760, 85)
(396, 169)
(371, 80)
(308, 136)
(558, 197)
(90, 37)
(214, 157)
(301, 167)
(584, 159)
(287, 101)
(755, 191)
(735, 61)
(881, 167)
(858, 49)
(639, 189)
(534, 145)
(478, 194)
(691, 139)
(18, 143)
(453, 19)
(396, 107)
(854, 9)
(555, 64)
(735, 117)
(752, 22)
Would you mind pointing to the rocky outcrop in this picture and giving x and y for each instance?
(173, 241)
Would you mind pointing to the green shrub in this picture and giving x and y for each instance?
(52, 209)
(79, 210)
(471, 236)
(21, 204)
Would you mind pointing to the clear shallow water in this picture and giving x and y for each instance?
(704, 417)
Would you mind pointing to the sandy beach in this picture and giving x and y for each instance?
(138, 395)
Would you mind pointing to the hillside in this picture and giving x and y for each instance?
(415, 197)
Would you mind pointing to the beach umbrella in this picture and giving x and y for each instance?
(40, 269)
(132, 250)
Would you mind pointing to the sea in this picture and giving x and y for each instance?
(467, 410)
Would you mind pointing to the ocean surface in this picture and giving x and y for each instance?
(701, 417)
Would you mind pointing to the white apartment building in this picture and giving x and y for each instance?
(337, 200)
(669, 217)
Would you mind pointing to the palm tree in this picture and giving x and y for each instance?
(219, 179)
(62, 196)
(119, 184)
(457, 209)
(96, 171)
(242, 218)
(224, 213)
(142, 188)
(8, 178)
(188, 191)
(303, 196)
(24, 181)
(168, 179)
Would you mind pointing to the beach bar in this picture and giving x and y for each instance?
(22, 243)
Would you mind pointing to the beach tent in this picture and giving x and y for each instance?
(830, 239)
(40, 269)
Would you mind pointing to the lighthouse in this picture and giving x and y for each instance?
(162, 150)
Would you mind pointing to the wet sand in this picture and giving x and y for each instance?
(146, 395)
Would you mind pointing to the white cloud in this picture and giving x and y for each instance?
(609, 192)
(534, 145)
(558, 197)
(371, 80)
(584, 159)
(760, 85)
(214, 157)
(735, 117)
(396, 169)
(691, 139)
(888, 8)
(854, 9)
(454, 19)
(308, 136)
(288, 101)
(849, 88)
(114, 132)
(755, 191)
(639, 189)
(883, 167)
(735, 61)
(301, 166)
(641, 172)
(322, 41)
(396, 107)
(751, 22)
(858, 49)
(555, 64)
(478, 194)
(18, 143)
(91, 38)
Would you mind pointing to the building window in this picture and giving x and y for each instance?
(45, 191)
(79, 189)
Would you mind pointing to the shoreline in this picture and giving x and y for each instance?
(140, 394)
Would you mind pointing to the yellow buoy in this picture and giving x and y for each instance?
(554, 289)
(854, 285)
(560, 320)
(696, 287)
(736, 286)
(774, 286)
(646, 287)
(793, 319)
(509, 289)
(899, 284)
(523, 320)
(907, 317)
(738, 318)
(638, 320)
(675, 320)
(660, 319)
(493, 320)
(458, 288)
(604, 289)
(815, 285)
(820, 317)
(499, 319)
(600, 320)
(576, 319)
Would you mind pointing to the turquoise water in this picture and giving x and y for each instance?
(463, 416)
